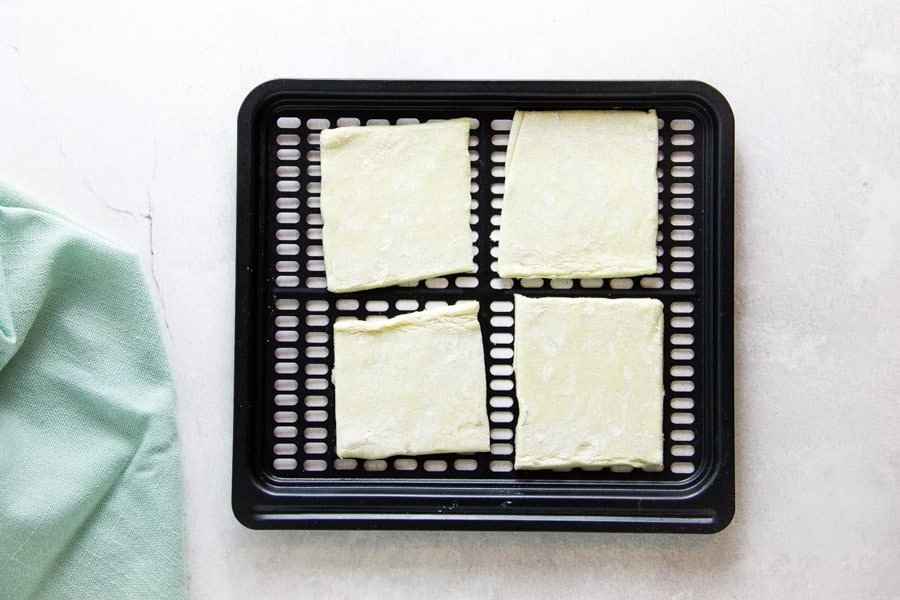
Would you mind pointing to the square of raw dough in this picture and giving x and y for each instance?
(588, 382)
(411, 385)
(395, 203)
(581, 195)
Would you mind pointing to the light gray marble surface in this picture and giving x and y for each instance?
(123, 116)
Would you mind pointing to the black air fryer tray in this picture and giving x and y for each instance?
(285, 471)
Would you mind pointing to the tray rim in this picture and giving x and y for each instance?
(262, 503)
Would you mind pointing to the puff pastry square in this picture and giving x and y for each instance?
(395, 203)
(588, 382)
(411, 385)
(581, 195)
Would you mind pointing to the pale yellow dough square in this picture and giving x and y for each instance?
(395, 203)
(588, 382)
(581, 195)
(411, 385)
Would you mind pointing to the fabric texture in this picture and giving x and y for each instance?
(90, 479)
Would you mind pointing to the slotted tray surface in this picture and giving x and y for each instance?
(286, 473)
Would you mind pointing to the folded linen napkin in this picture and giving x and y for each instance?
(90, 482)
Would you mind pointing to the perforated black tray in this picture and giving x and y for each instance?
(285, 471)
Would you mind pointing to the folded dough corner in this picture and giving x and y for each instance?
(90, 480)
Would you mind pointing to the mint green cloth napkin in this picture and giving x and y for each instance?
(90, 483)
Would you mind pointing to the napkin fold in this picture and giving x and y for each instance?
(90, 479)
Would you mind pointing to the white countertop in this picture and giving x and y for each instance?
(123, 116)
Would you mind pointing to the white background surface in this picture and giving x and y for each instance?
(123, 116)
